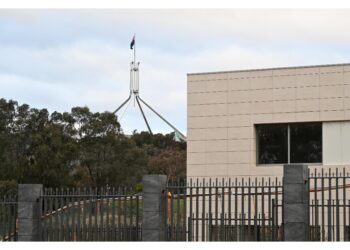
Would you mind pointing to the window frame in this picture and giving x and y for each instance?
(288, 145)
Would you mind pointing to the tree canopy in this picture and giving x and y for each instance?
(80, 148)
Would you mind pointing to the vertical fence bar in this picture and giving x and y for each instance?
(249, 210)
(210, 214)
(263, 209)
(229, 209)
(223, 210)
(344, 204)
(242, 209)
(203, 210)
(236, 209)
(323, 233)
(256, 211)
(216, 202)
(337, 205)
(190, 217)
(329, 220)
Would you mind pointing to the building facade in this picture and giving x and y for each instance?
(251, 122)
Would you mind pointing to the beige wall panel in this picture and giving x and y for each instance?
(196, 134)
(239, 84)
(346, 103)
(196, 170)
(219, 85)
(347, 115)
(216, 145)
(307, 116)
(240, 133)
(196, 110)
(239, 96)
(217, 170)
(261, 83)
(284, 106)
(346, 68)
(215, 109)
(307, 92)
(283, 117)
(261, 94)
(261, 118)
(215, 97)
(192, 78)
(216, 122)
(239, 145)
(215, 133)
(253, 158)
(238, 157)
(284, 81)
(331, 91)
(239, 108)
(196, 158)
(307, 70)
(332, 104)
(307, 80)
(346, 78)
(196, 146)
(194, 87)
(238, 74)
(332, 115)
(284, 94)
(253, 142)
(238, 169)
(260, 73)
(331, 79)
(262, 107)
(328, 69)
(238, 120)
(283, 72)
(196, 98)
(346, 90)
(197, 122)
(307, 105)
(215, 157)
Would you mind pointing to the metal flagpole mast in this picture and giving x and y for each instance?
(134, 48)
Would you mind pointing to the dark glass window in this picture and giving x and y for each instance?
(306, 142)
(272, 143)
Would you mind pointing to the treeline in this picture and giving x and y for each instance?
(80, 149)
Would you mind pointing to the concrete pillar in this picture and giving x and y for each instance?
(29, 212)
(153, 211)
(296, 202)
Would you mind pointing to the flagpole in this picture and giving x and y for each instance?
(134, 49)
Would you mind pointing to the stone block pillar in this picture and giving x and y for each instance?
(296, 202)
(153, 198)
(29, 212)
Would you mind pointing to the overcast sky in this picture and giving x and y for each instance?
(58, 59)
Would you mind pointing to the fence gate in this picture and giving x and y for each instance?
(91, 215)
(226, 210)
(329, 205)
(8, 218)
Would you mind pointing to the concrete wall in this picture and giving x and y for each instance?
(223, 108)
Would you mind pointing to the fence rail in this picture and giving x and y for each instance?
(113, 214)
(8, 218)
(330, 204)
(227, 210)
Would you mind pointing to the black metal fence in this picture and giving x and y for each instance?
(227, 210)
(91, 215)
(329, 205)
(8, 218)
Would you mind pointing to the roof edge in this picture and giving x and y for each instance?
(276, 68)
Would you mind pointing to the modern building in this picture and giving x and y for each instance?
(251, 122)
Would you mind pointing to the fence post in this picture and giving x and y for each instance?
(153, 227)
(29, 212)
(296, 202)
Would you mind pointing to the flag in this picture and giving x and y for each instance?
(132, 42)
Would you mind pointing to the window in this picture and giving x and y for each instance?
(289, 143)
